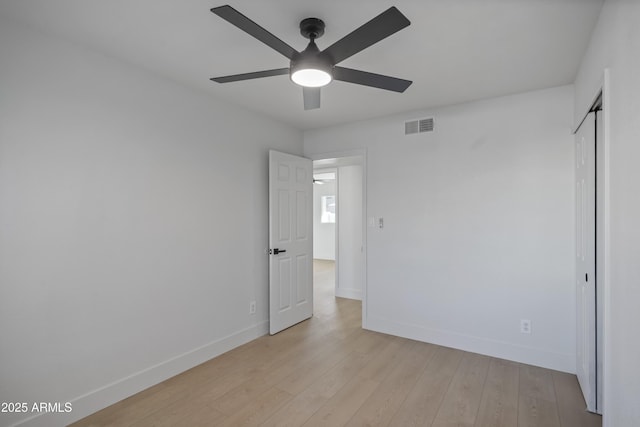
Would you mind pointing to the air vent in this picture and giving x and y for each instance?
(418, 126)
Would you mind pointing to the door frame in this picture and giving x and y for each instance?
(334, 159)
(603, 244)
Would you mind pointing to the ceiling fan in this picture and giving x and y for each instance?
(313, 68)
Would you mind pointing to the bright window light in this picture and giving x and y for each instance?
(328, 209)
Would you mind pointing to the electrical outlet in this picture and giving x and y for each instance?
(252, 307)
(525, 326)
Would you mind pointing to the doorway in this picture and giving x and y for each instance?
(324, 239)
(339, 233)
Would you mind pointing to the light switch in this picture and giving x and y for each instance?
(380, 222)
(371, 221)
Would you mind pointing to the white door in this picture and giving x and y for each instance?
(585, 259)
(290, 240)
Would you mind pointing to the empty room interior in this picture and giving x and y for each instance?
(170, 172)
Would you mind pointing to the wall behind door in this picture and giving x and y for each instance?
(350, 232)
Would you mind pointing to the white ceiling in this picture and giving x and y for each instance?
(454, 51)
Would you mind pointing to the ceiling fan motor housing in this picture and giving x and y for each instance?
(312, 28)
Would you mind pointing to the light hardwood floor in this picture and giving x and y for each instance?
(327, 371)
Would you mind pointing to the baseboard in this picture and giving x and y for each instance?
(349, 293)
(500, 349)
(111, 393)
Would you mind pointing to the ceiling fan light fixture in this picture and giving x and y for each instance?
(311, 77)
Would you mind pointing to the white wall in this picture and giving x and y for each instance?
(133, 225)
(324, 234)
(350, 255)
(615, 44)
(479, 228)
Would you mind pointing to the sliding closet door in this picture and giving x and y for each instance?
(585, 259)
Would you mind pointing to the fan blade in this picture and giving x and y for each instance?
(380, 27)
(249, 76)
(370, 79)
(248, 26)
(311, 97)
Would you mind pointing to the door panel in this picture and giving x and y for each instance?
(302, 200)
(284, 283)
(301, 269)
(284, 230)
(585, 260)
(290, 240)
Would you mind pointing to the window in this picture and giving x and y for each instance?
(328, 209)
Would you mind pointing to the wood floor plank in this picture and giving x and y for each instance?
(240, 396)
(533, 412)
(221, 386)
(571, 405)
(423, 401)
(182, 413)
(536, 382)
(330, 383)
(299, 380)
(499, 404)
(460, 404)
(385, 360)
(340, 408)
(258, 410)
(304, 356)
(292, 357)
(298, 410)
(323, 360)
(383, 404)
(319, 390)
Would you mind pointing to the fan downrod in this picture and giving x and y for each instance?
(311, 28)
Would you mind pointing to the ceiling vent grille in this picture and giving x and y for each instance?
(418, 126)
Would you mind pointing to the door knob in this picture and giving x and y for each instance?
(277, 251)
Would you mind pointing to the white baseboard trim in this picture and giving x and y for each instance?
(349, 293)
(109, 394)
(500, 349)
